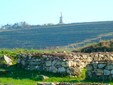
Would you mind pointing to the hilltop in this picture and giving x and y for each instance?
(50, 36)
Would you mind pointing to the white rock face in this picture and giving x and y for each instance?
(8, 60)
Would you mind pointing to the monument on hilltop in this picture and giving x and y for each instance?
(61, 19)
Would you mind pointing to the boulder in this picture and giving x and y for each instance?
(43, 77)
(8, 60)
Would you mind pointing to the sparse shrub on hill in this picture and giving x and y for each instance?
(104, 46)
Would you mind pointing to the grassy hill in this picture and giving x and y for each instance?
(56, 35)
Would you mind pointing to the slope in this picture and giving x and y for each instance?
(52, 36)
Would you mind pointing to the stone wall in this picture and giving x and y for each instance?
(67, 63)
(101, 68)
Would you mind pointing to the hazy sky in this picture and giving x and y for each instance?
(48, 11)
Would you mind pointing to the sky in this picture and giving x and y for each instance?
(38, 12)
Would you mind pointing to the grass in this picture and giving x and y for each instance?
(17, 81)
(16, 75)
(12, 53)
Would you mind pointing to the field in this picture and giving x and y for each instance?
(57, 35)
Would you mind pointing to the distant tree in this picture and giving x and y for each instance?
(24, 24)
(7, 26)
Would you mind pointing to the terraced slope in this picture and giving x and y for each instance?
(58, 35)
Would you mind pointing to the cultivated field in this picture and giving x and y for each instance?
(57, 35)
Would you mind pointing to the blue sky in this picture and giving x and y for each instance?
(48, 11)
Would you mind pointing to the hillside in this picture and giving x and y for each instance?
(56, 35)
(103, 46)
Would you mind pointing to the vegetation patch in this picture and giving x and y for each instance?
(17, 76)
(103, 46)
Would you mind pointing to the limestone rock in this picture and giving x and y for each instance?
(95, 65)
(111, 58)
(89, 59)
(43, 77)
(74, 71)
(48, 63)
(53, 69)
(59, 63)
(37, 67)
(84, 56)
(54, 62)
(106, 72)
(61, 70)
(67, 63)
(112, 72)
(23, 62)
(88, 74)
(101, 65)
(64, 64)
(89, 67)
(19, 61)
(73, 64)
(8, 60)
(46, 83)
(110, 66)
(99, 72)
